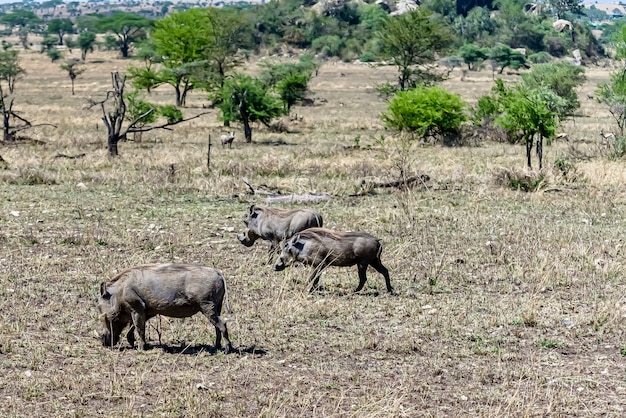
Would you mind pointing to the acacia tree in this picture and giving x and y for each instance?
(228, 33)
(24, 20)
(10, 68)
(181, 38)
(72, 66)
(119, 120)
(248, 100)
(12, 121)
(127, 27)
(60, 27)
(410, 41)
(86, 41)
(290, 80)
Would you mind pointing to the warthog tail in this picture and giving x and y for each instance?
(228, 311)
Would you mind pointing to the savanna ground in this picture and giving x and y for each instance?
(507, 303)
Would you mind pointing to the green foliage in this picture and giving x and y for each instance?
(473, 55)
(594, 14)
(48, 43)
(127, 27)
(410, 41)
(613, 95)
(171, 113)
(86, 41)
(10, 68)
(476, 27)
(110, 43)
(540, 58)
(371, 16)
(564, 7)
(529, 111)
(562, 78)
(425, 112)
(293, 87)
(54, 54)
(328, 45)
(139, 111)
(20, 18)
(505, 57)
(88, 22)
(60, 27)
(248, 100)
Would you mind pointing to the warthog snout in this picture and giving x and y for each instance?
(280, 265)
(247, 237)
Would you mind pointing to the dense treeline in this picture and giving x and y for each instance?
(341, 29)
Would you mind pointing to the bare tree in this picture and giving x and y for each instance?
(116, 115)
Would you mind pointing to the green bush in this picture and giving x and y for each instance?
(328, 45)
(540, 58)
(425, 112)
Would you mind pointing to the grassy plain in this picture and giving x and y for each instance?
(508, 303)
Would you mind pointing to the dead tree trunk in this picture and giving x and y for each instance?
(113, 120)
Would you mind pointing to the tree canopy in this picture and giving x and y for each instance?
(127, 27)
(410, 41)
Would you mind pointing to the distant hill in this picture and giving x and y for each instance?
(151, 9)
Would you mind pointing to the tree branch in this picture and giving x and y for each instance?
(165, 125)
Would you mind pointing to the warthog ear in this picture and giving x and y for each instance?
(251, 209)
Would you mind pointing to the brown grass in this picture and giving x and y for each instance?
(508, 303)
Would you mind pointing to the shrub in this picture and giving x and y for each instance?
(328, 45)
(540, 58)
(556, 47)
(425, 112)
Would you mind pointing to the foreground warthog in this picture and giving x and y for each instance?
(321, 247)
(177, 290)
(276, 225)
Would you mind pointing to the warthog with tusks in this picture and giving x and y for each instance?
(321, 247)
(276, 225)
(176, 290)
(227, 139)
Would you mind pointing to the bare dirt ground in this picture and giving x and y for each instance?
(508, 303)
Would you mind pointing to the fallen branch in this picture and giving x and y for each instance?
(367, 187)
(422, 178)
(273, 197)
(71, 157)
(258, 191)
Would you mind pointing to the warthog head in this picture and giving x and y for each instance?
(112, 322)
(248, 237)
(288, 254)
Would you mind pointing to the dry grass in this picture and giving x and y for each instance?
(508, 303)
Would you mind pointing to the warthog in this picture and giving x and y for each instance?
(227, 139)
(321, 247)
(276, 225)
(176, 290)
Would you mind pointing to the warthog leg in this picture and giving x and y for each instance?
(362, 276)
(211, 312)
(382, 270)
(314, 278)
(130, 336)
(139, 321)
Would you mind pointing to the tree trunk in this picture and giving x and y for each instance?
(247, 131)
(540, 151)
(178, 96)
(112, 145)
(72, 86)
(529, 147)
